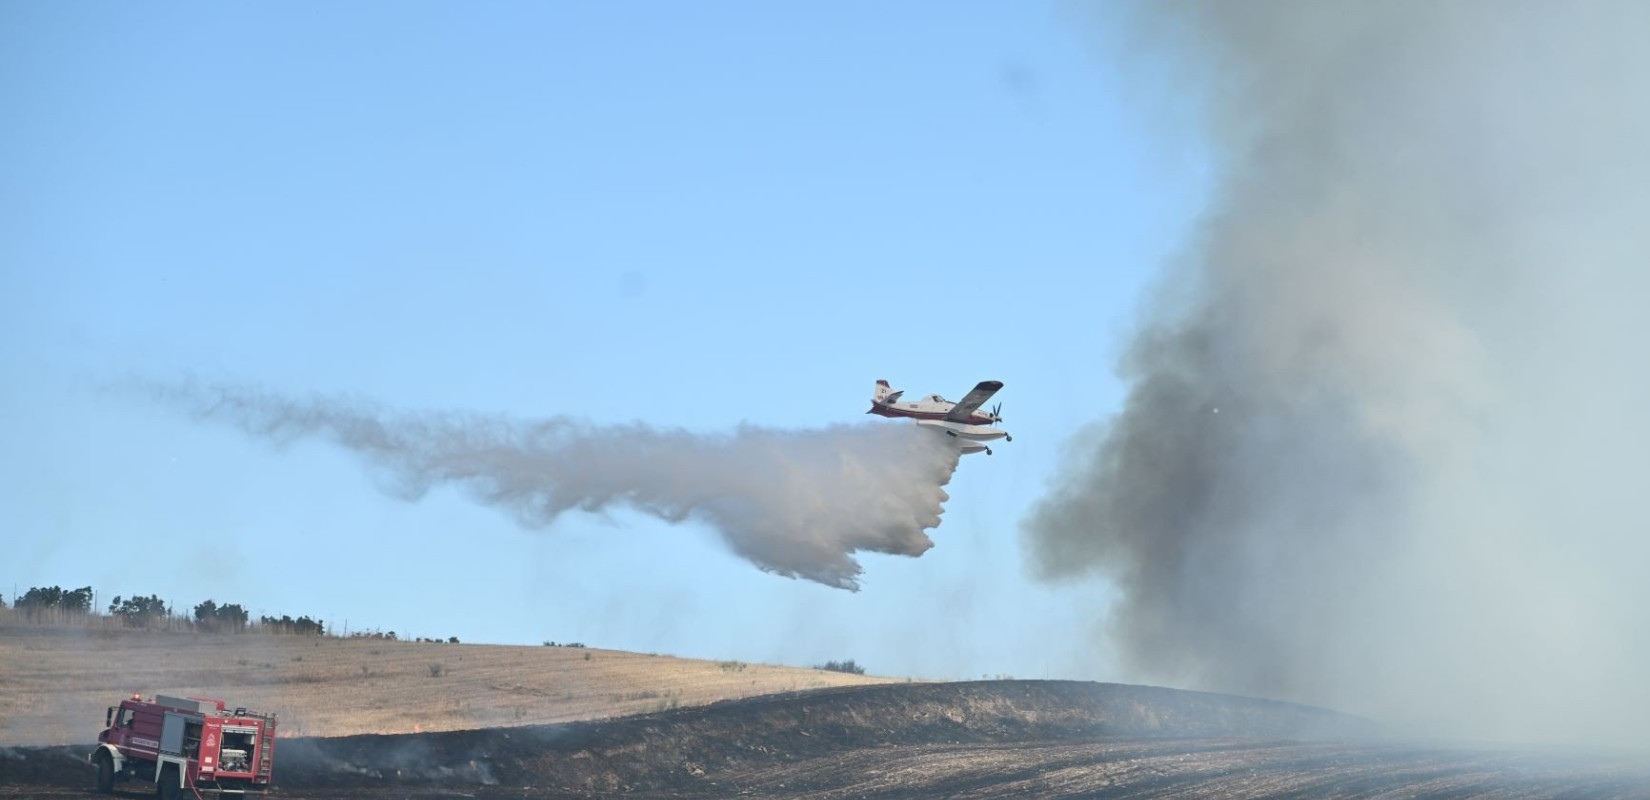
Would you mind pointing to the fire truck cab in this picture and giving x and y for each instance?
(186, 746)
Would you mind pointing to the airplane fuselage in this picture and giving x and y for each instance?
(925, 411)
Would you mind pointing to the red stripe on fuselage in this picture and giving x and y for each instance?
(884, 411)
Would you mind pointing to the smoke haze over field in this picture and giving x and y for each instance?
(1385, 442)
(794, 502)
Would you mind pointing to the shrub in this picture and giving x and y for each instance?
(841, 666)
(302, 626)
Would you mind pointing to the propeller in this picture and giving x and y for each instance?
(996, 413)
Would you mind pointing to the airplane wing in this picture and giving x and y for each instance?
(972, 402)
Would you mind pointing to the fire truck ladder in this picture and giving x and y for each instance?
(266, 752)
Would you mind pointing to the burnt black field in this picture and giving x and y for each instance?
(994, 739)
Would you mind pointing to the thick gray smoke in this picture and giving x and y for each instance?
(1385, 444)
(794, 502)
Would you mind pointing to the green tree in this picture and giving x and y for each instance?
(55, 598)
(233, 616)
(227, 617)
(139, 612)
(41, 597)
(78, 601)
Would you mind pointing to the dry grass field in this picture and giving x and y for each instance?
(55, 682)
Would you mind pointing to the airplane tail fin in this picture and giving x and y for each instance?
(884, 395)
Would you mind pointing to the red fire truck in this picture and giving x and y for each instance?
(186, 746)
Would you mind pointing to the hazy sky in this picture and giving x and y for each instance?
(687, 215)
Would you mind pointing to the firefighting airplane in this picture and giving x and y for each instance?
(964, 422)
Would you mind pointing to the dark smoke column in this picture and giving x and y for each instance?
(1350, 460)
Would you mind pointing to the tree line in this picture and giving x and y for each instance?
(54, 604)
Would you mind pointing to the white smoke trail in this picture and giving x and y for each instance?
(1386, 445)
(798, 503)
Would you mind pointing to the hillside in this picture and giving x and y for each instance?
(372, 720)
(55, 682)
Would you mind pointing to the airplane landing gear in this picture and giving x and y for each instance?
(1007, 438)
(988, 451)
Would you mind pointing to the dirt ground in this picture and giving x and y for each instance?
(995, 739)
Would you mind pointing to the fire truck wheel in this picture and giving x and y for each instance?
(169, 789)
(105, 772)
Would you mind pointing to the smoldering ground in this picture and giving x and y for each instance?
(1385, 444)
(798, 503)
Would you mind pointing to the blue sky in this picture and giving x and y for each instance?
(691, 215)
